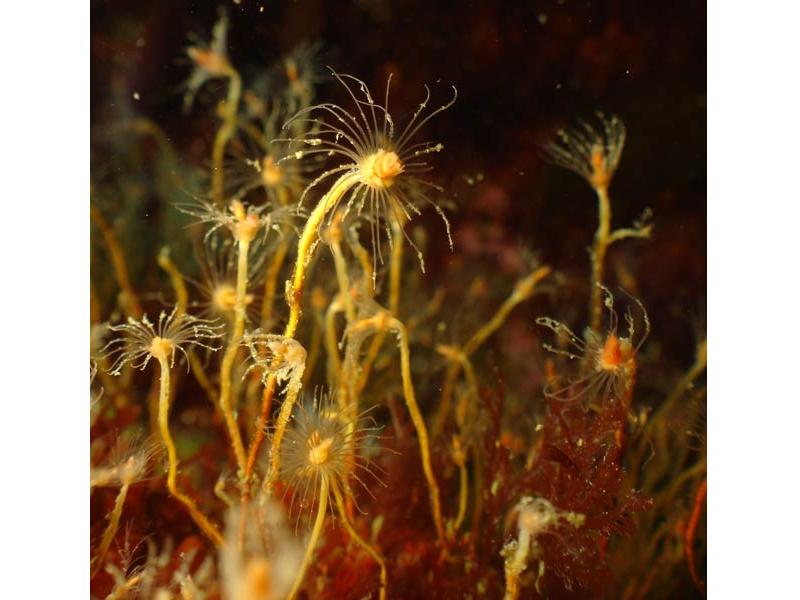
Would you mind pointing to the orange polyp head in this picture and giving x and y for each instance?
(318, 448)
(292, 72)
(224, 297)
(247, 225)
(379, 169)
(271, 173)
(611, 356)
(212, 62)
(600, 175)
(161, 348)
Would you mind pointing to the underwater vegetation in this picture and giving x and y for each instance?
(301, 386)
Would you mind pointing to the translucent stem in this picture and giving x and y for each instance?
(292, 392)
(175, 277)
(515, 564)
(312, 542)
(271, 283)
(224, 135)
(111, 529)
(375, 554)
(307, 243)
(344, 280)
(172, 456)
(395, 271)
(523, 290)
(131, 304)
(396, 266)
(463, 493)
(230, 356)
(601, 241)
(331, 341)
(419, 424)
(294, 296)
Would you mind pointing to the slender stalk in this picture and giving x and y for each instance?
(175, 277)
(292, 392)
(463, 492)
(111, 529)
(200, 375)
(419, 424)
(331, 342)
(294, 296)
(396, 266)
(312, 542)
(515, 564)
(691, 530)
(395, 270)
(271, 283)
(314, 347)
(307, 243)
(375, 554)
(224, 134)
(172, 474)
(523, 290)
(131, 305)
(182, 301)
(230, 355)
(601, 241)
(343, 279)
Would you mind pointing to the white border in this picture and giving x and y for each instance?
(753, 299)
(44, 152)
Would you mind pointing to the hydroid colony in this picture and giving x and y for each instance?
(306, 452)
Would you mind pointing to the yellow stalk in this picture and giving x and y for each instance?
(396, 267)
(601, 241)
(375, 554)
(515, 564)
(131, 304)
(111, 529)
(314, 347)
(395, 270)
(312, 542)
(224, 134)
(271, 283)
(175, 277)
(343, 279)
(306, 244)
(294, 296)
(463, 483)
(230, 355)
(172, 474)
(523, 290)
(419, 424)
(331, 341)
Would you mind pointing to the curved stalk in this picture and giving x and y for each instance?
(376, 556)
(523, 290)
(172, 474)
(271, 283)
(132, 306)
(312, 542)
(111, 529)
(224, 134)
(463, 483)
(294, 296)
(230, 355)
(419, 424)
(601, 241)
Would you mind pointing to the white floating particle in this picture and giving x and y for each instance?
(136, 95)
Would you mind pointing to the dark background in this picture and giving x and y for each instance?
(522, 69)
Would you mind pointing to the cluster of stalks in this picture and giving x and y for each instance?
(312, 219)
(380, 186)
